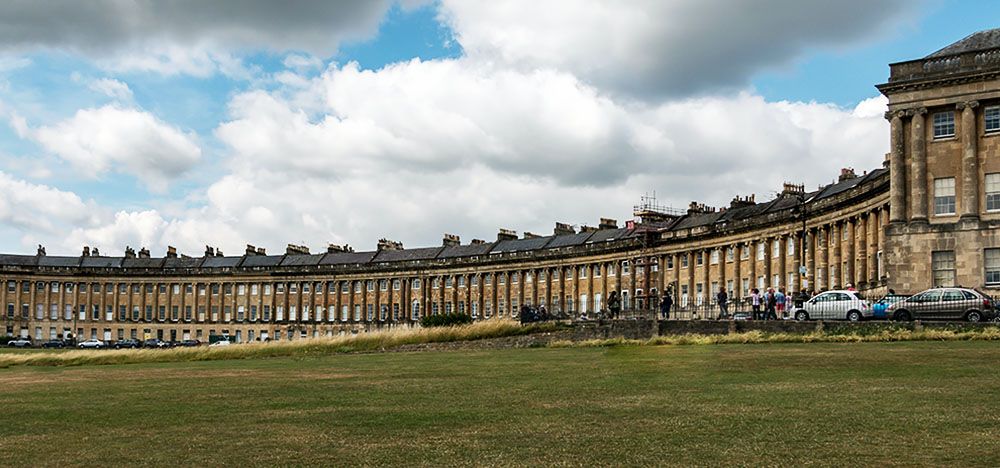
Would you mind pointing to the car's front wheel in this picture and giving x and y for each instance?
(801, 316)
(854, 316)
(973, 316)
(902, 316)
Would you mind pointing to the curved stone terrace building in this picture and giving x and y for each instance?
(928, 218)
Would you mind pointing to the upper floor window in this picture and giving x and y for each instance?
(991, 119)
(760, 251)
(684, 261)
(944, 124)
(944, 196)
(993, 192)
(625, 266)
(730, 254)
(699, 258)
(715, 257)
(775, 248)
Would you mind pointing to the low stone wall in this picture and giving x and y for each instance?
(645, 329)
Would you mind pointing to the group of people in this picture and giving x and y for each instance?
(534, 314)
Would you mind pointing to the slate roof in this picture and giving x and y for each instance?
(470, 250)
(569, 240)
(262, 260)
(302, 260)
(221, 262)
(345, 258)
(142, 263)
(988, 39)
(101, 262)
(605, 235)
(520, 245)
(425, 253)
(182, 262)
(54, 261)
(19, 260)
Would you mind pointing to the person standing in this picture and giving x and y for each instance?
(722, 298)
(665, 305)
(770, 302)
(780, 300)
(755, 302)
(614, 304)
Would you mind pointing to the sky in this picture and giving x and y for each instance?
(152, 124)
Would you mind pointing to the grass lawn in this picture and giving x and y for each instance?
(904, 403)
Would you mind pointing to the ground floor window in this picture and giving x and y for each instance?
(943, 267)
(992, 257)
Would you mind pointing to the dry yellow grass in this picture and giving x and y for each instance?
(375, 341)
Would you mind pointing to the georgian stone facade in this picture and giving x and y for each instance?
(844, 233)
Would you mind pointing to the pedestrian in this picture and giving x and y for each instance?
(665, 305)
(543, 313)
(723, 300)
(770, 302)
(614, 304)
(850, 287)
(780, 300)
(755, 302)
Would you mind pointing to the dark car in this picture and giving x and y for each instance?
(155, 343)
(54, 344)
(128, 344)
(944, 304)
(189, 343)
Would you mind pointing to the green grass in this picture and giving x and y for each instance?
(891, 403)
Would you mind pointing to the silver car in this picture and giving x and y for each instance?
(944, 304)
(835, 305)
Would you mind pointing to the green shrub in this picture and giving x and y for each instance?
(445, 320)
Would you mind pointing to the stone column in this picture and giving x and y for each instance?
(970, 161)
(737, 291)
(753, 263)
(849, 255)
(692, 297)
(767, 262)
(706, 256)
(810, 279)
(836, 257)
(823, 263)
(873, 228)
(783, 262)
(897, 168)
(918, 153)
(862, 257)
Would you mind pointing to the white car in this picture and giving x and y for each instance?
(835, 305)
(220, 343)
(92, 343)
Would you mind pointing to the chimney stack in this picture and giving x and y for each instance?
(847, 173)
(608, 223)
(261, 251)
(293, 249)
(86, 251)
(171, 251)
(563, 229)
(129, 252)
(251, 251)
(209, 251)
(793, 189)
(143, 253)
(451, 240)
(587, 229)
(530, 235)
(386, 244)
(506, 234)
(41, 251)
(742, 202)
(477, 242)
(95, 252)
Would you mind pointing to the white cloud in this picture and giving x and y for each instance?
(112, 88)
(658, 47)
(122, 140)
(39, 208)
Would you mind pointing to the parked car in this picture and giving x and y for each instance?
(54, 344)
(155, 343)
(835, 305)
(944, 304)
(92, 343)
(221, 343)
(128, 344)
(20, 343)
(190, 343)
(879, 308)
